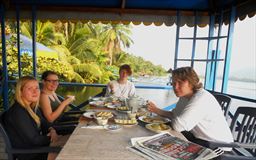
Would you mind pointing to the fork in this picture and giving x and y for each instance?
(218, 151)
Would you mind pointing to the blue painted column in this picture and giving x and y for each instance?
(219, 32)
(228, 51)
(212, 64)
(34, 40)
(5, 71)
(18, 38)
(215, 68)
(194, 40)
(207, 83)
(177, 39)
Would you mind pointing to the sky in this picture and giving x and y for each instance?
(154, 43)
(157, 44)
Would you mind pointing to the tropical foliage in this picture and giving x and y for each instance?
(88, 53)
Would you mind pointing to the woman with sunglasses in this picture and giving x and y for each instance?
(50, 104)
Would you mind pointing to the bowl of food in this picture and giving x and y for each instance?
(158, 127)
(102, 121)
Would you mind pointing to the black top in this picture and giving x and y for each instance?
(23, 130)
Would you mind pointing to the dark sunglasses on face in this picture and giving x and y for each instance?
(52, 81)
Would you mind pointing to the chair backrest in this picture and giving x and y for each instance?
(224, 102)
(5, 136)
(243, 126)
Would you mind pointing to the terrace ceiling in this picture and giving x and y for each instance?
(126, 11)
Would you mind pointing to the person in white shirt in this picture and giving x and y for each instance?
(196, 111)
(122, 88)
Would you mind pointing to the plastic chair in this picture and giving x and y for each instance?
(224, 102)
(11, 151)
(243, 127)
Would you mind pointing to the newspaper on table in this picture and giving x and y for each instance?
(164, 146)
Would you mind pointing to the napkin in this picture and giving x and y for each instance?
(93, 127)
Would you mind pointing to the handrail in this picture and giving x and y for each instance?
(144, 87)
(236, 97)
(105, 85)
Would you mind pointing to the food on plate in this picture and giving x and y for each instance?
(154, 120)
(159, 126)
(104, 114)
(123, 108)
(126, 121)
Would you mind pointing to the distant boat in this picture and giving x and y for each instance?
(144, 75)
(132, 79)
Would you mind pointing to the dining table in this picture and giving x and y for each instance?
(91, 142)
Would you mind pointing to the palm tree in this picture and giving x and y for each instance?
(85, 49)
(114, 37)
(44, 31)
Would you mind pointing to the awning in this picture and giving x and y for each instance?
(126, 11)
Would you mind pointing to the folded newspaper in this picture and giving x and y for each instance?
(165, 146)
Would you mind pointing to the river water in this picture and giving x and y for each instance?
(162, 97)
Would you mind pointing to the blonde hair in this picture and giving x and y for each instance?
(18, 96)
(189, 74)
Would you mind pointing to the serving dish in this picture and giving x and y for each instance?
(126, 121)
(123, 109)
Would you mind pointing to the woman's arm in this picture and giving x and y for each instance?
(47, 109)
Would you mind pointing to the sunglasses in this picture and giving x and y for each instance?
(52, 81)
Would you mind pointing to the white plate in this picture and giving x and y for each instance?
(99, 98)
(89, 114)
(165, 120)
(96, 98)
(112, 106)
(97, 103)
(113, 127)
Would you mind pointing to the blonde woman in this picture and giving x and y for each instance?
(24, 124)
